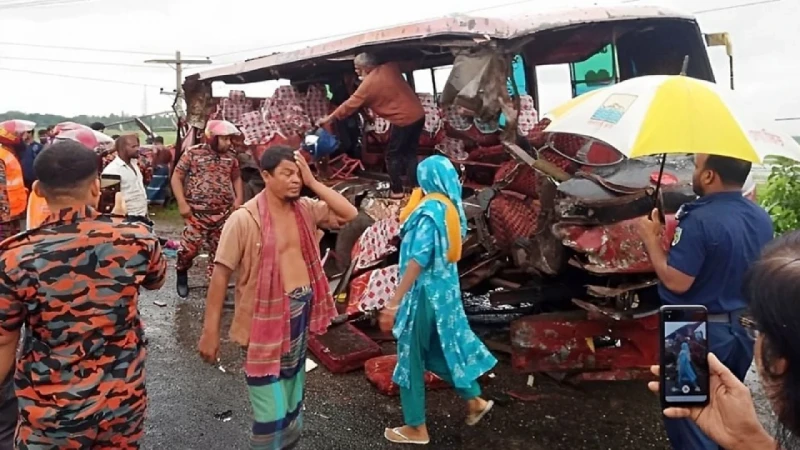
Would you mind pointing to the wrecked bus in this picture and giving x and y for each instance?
(552, 260)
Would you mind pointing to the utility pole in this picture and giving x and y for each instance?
(178, 64)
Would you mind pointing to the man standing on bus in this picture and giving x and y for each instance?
(384, 90)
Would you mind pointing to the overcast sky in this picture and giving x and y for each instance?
(765, 45)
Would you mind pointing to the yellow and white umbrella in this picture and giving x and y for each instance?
(658, 114)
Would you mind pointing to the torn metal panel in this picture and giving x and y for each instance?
(567, 342)
(615, 375)
(607, 291)
(615, 248)
(542, 254)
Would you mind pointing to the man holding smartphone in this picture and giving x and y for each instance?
(718, 237)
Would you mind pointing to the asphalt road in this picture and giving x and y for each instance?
(189, 401)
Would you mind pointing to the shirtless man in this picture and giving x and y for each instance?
(281, 290)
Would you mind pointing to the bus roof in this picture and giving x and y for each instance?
(453, 31)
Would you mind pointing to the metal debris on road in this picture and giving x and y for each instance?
(224, 416)
(159, 303)
(310, 365)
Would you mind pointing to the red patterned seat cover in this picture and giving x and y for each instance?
(375, 243)
(372, 290)
(433, 132)
(378, 129)
(316, 103)
(453, 149)
(512, 218)
(457, 124)
(523, 182)
(528, 117)
(287, 110)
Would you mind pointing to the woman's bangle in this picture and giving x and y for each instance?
(390, 308)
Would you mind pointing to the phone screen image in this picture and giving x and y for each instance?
(684, 356)
(109, 187)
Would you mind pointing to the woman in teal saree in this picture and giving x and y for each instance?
(426, 312)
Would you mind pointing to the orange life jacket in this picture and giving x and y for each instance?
(37, 211)
(15, 186)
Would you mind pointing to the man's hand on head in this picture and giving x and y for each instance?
(305, 170)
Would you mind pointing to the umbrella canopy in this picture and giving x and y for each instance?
(657, 114)
(17, 126)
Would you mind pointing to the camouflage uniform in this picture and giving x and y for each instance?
(8, 226)
(208, 188)
(75, 283)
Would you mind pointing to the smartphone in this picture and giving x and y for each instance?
(110, 185)
(684, 356)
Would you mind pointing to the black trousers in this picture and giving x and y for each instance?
(401, 155)
(8, 413)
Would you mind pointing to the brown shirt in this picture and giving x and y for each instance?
(240, 249)
(387, 94)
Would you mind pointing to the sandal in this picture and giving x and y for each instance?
(390, 434)
(473, 419)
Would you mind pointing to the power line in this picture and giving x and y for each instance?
(67, 61)
(724, 8)
(85, 49)
(76, 77)
(37, 3)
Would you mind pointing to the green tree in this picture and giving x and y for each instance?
(781, 195)
(159, 122)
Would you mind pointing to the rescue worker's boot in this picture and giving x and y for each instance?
(183, 284)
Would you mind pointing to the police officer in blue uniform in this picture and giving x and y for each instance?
(717, 239)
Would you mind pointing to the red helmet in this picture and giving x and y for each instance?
(91, 139)
(216, 128)
(69, 126)
(11, 131)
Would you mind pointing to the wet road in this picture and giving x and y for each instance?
(344, 412)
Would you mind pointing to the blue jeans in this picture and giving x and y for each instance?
(731, 344)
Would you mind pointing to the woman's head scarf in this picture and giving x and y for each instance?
(438, 180)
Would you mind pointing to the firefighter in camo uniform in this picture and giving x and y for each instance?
(207, 185)
(74, 283)
(13, 194)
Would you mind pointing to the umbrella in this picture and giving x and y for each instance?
(662, 114)
(17, 126)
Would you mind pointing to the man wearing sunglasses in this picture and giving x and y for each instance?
(718, 238)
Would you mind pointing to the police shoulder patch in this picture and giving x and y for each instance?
(677, 237)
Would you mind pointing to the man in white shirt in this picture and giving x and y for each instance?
(132, 188)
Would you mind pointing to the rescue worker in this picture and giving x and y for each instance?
(37, 205)
(388, 94)
(13, 195)
(207, 186)
(74, 284)
(718, 237)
